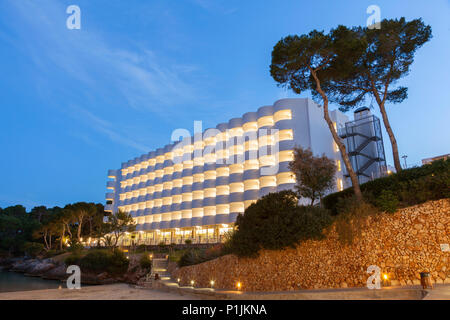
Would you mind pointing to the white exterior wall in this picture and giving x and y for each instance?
(170, 189)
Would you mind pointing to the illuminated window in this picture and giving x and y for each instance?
(340, 184)
(336, 147)
(282, 115)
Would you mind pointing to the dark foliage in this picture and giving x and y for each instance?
(408, 187)
(275, 222)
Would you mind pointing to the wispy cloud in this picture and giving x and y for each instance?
(97, 70)
(106, 128)
(143, 78)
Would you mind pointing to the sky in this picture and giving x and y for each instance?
(75, 103)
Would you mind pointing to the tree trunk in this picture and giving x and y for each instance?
(80, 223)
(388, 127)
(68, 230)
(62, 237)
(45, 240)
(337, 140)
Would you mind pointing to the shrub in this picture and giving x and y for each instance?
(188, 241)
(274, 222)
(73, 259)
(410, 186)
(387, 201)
(111, 261)
(145, 262)
(352, 218)
(33, 248)
(191, 257)
(53, 252)
(75, 247)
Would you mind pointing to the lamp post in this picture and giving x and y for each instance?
(404, 158)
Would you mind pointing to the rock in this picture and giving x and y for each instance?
(102, 276)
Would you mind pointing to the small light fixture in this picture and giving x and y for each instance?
(385, 276)
(239, 285)
(178, 280)
(212, 283)
(151, 256)
(192, 282)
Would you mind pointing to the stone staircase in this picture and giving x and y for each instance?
(159, 266)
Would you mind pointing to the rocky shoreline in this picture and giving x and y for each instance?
(50, 269)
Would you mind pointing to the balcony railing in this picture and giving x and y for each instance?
(109, 196)
(178, 240)
(112, 174)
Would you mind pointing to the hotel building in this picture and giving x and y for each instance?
(195, 188)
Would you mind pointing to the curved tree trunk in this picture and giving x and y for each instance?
(388, 127)
(337, 140)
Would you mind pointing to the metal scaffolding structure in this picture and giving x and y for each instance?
(365, 147)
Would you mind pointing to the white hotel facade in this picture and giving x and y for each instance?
(195, 188)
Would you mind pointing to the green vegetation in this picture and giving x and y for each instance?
(145, 262)
(348, 65)
(315, 175)
(33, 249)
(112, 261)
(352, 216)
(51, 231)
(196, 256)
(405, 188)
(274, 222)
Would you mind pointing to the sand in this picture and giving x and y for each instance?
(105, 292)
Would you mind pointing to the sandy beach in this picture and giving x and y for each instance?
(105, 292)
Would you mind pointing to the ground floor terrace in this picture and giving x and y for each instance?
(194, 235)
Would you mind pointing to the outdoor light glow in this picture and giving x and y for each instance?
(178, 280)
(385, 276)
(192, 282)
(212, 283)
(238, 285)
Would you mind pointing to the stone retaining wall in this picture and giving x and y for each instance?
(401, 244)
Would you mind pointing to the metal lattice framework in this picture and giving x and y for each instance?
(365, 147)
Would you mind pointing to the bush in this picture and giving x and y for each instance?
(188, 241)
(387, 201)
(274, 222)
(145, 262)
(75, 247)
(191, 257)
(73, 259)
(53, 252)
(352, 218)
(33, 248)
(112, 261)
(409, 187)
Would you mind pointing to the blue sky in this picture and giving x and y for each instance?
(75, 103)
